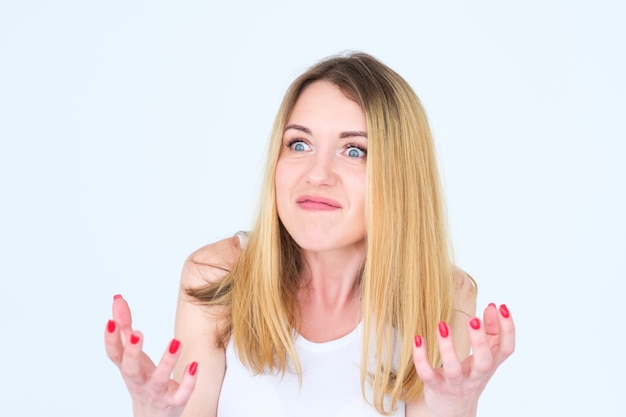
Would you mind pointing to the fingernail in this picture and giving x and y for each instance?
(504, 311)
(111, 326)
(443, 329)
(193, 368)
(475, 323)
(492, 305)
(134, 339)
(116, 296)
(418, 341)
(174, 345)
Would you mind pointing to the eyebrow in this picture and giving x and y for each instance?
(342, 135)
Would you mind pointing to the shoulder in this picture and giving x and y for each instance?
(210, 263)
(465, 292)
(198, 326)
(464, 305)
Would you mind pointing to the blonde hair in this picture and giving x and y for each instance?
(406, 282)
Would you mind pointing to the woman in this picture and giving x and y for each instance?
(343, 299)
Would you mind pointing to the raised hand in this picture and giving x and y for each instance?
(453, 389)
(153, 392)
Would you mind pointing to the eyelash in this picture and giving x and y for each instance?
(356, 146)
(292, 142)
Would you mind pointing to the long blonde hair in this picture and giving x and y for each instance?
(406, 283)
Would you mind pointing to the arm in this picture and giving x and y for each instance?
(453, 390)
(464, 302)
(153, 392)
(197, 326)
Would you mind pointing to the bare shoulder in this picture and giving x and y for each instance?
(464, 301)
(210, 263)
(465, 292)
(198, 326)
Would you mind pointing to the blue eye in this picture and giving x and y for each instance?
(356, 152)
(298, 146)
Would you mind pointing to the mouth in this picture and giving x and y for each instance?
(308, 202)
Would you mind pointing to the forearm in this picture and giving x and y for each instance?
(420, 409)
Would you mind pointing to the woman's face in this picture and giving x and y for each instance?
(320, 174)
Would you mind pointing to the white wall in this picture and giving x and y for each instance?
(133, 132)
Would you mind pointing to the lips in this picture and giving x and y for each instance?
(308, 202)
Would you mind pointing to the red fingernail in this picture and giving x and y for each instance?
(134, 339)
(418, 341)
(111, 326)
(504, 311)
(116, 296)
(492, 305)
(475, 323)
(174, 345)
(443, 329)
(193, 368)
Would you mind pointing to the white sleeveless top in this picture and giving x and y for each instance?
(331, 384)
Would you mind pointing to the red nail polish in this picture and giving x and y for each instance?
(134, 339)
(418, 341)
(174, 345)
(193, 368)
(492, 305)
(116, 296)
(504, 311)
(443, 329)
(111, 326)
(475, 323)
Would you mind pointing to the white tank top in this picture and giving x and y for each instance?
(331, 384)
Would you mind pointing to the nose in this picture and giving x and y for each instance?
(321, 171)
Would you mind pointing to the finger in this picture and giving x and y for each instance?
(420, 359)
(162, 374)
(482, 357)
(121, 314)
(451, 366)
(187, 384)
(506, 344)
(490, 320)
(112, 342)
(134, 362)
(491, 325)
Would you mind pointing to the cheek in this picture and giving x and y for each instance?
(359, 187)
(360, 201)
(282, 185)
(279, 180)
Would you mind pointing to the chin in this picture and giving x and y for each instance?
(323, 242)
(311, 242)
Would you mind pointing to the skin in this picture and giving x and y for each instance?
(323, 159)
(152, 391)
(320, 189)
(454, 389)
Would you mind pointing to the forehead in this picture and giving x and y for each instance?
(323, 100)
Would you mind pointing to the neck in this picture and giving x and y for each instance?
(329, 295)
(332, 275)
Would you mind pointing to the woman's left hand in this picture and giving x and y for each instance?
(453, 389)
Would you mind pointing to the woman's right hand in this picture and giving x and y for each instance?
(154, 393)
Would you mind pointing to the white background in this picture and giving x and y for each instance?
(133, 132)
